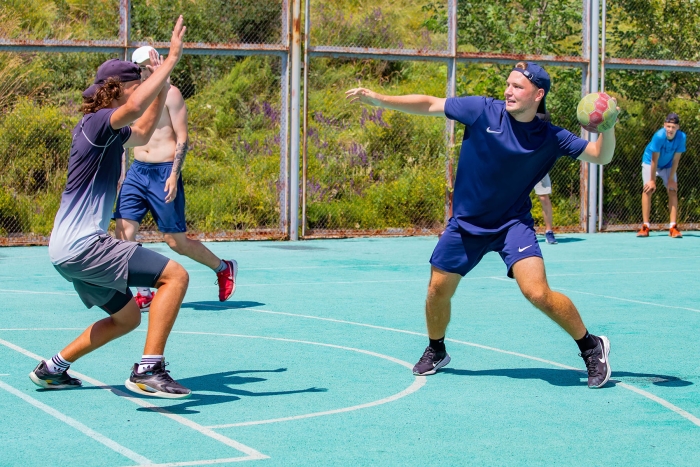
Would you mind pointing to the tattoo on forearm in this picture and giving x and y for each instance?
(180, 153)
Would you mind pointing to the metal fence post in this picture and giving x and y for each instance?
(305, 116)
(283, 188)
(125, 25)
(592, 169)
(295, 127)
(585, 71)
(602, 89)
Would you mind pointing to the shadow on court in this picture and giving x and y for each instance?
(213, 306)
(558, 377)
(221, 384)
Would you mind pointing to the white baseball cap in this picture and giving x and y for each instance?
(140, 55)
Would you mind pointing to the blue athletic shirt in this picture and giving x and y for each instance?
(94, 167)
(500, 163)
(666, 149)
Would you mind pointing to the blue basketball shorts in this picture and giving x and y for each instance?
(459, 252)
(143, 190)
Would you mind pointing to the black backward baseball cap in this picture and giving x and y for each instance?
(673, 118)
(113, 68)
(540, 78)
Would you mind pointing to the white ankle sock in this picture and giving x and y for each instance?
(147, 362)
(57, 364)
(144, 291)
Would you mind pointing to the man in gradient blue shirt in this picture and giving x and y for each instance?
(100, 267)
(506, 150)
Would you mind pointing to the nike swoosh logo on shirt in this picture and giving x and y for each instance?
(489, 130)
(520, 250)
(602, 360)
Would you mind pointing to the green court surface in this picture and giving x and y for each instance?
(310, 362)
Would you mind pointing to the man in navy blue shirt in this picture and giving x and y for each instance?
(506, 150)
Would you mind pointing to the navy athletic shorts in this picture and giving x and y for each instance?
(459, 252)
(143, 190)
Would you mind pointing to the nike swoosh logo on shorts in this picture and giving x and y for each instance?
(520, 250)
(489, 130)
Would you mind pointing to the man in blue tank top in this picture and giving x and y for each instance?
(506, 150)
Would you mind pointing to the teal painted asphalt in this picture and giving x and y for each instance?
(308, 363)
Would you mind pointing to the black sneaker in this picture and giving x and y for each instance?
(43, 378)
(597, 363)
(430, 362)
(156, 382)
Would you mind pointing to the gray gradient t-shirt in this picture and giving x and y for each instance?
(94, 168)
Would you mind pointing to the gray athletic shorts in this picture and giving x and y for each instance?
(544, 187)
(103, 272)
(663, 173)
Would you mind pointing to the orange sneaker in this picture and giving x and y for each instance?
(643, 232)
(673, 232)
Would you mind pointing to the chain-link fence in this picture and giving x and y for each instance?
(237, 107)
(639, 31)
(362, 170)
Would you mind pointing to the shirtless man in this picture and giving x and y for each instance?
(153, 183)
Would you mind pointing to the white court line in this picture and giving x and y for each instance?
(415, 386)
(628, 300)
(652, 397)
(202, 462)
(251, 453)
(100, 438)
(610, 297)
(664, 403)
(427, 264)
(34, 292)
(620, 273)
(418, 382)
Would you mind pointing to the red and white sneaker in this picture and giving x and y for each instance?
(144, 301)
(227, 280)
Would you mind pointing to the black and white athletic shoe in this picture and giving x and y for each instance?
(597, 363)
(430, 362)
(43, 378)
(156, 382)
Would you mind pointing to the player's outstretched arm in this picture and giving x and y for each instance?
(416, 104)
(148, 91)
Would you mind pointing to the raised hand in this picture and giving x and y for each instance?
(155, 59)
(176, 44)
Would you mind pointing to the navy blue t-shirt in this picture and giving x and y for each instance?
(500, 163)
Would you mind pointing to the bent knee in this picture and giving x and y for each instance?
(177, 245)
(174, 273)
(437, 292)
(536, 294)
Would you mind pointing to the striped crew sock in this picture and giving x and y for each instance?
(147, 362)
(57, 364)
